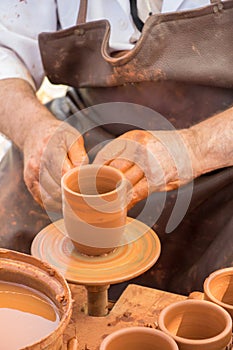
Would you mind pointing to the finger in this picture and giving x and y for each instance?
(111, 151)
(77, 154)
(56, 162)
(139, 192)
(121, 164)
(49, 185)
(34, 189)
(67, 165)
(100, 159)
(53, 161)
(39, 194)
(31, 179)
(172, 185)
(49, 204)
(134, 174)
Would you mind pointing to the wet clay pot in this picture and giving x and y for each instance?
(94, 207)
(138, 338)
(197, 325)
(218, 288)
(31, 273)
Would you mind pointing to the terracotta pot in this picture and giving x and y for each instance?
(30, 272)
(94, 201)
(138, 338)
(218, 288)
(197, 325)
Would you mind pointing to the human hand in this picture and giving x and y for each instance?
(49, 151)
(151, 160)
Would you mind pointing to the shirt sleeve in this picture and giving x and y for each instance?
(12, 67)
(20, 24)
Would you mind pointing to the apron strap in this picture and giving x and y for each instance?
(82, 13)
(218, 5)
(134, 13)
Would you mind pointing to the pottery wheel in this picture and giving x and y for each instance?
(126, 262)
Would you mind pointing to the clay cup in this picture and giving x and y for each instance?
(197, 325)
(218, 288)
(138, 338)
(94, 203)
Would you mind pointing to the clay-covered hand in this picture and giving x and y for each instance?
(151, 160)
(50, 150)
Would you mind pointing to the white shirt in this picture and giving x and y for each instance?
(22, 21)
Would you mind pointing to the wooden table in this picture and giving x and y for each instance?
(137, 306)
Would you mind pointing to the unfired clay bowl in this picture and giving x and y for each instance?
(197, 325)
(138, 338)
(31, 272)
(218, 288)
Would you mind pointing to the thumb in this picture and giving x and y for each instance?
(77, 153)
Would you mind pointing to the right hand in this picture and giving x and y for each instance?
(159, 160)
(49, 151)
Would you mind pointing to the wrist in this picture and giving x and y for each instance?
(197, 160)
(214, 138)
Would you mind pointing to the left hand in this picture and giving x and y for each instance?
(55, 148)
(151, 161)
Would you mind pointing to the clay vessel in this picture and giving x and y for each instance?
(94, 200)
(30, 272)
(138, 338)
(218, 288)
(197, 325)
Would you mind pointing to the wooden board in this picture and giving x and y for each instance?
(137, 306)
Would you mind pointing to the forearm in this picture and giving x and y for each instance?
(21, 111)
(50, 146)
(211, 143)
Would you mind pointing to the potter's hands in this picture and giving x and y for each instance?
(151, 160)
(50, 150)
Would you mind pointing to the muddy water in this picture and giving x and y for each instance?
(26, 316)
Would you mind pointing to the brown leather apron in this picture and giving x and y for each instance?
(182, 67)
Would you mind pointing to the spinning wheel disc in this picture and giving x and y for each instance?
(126, 262)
